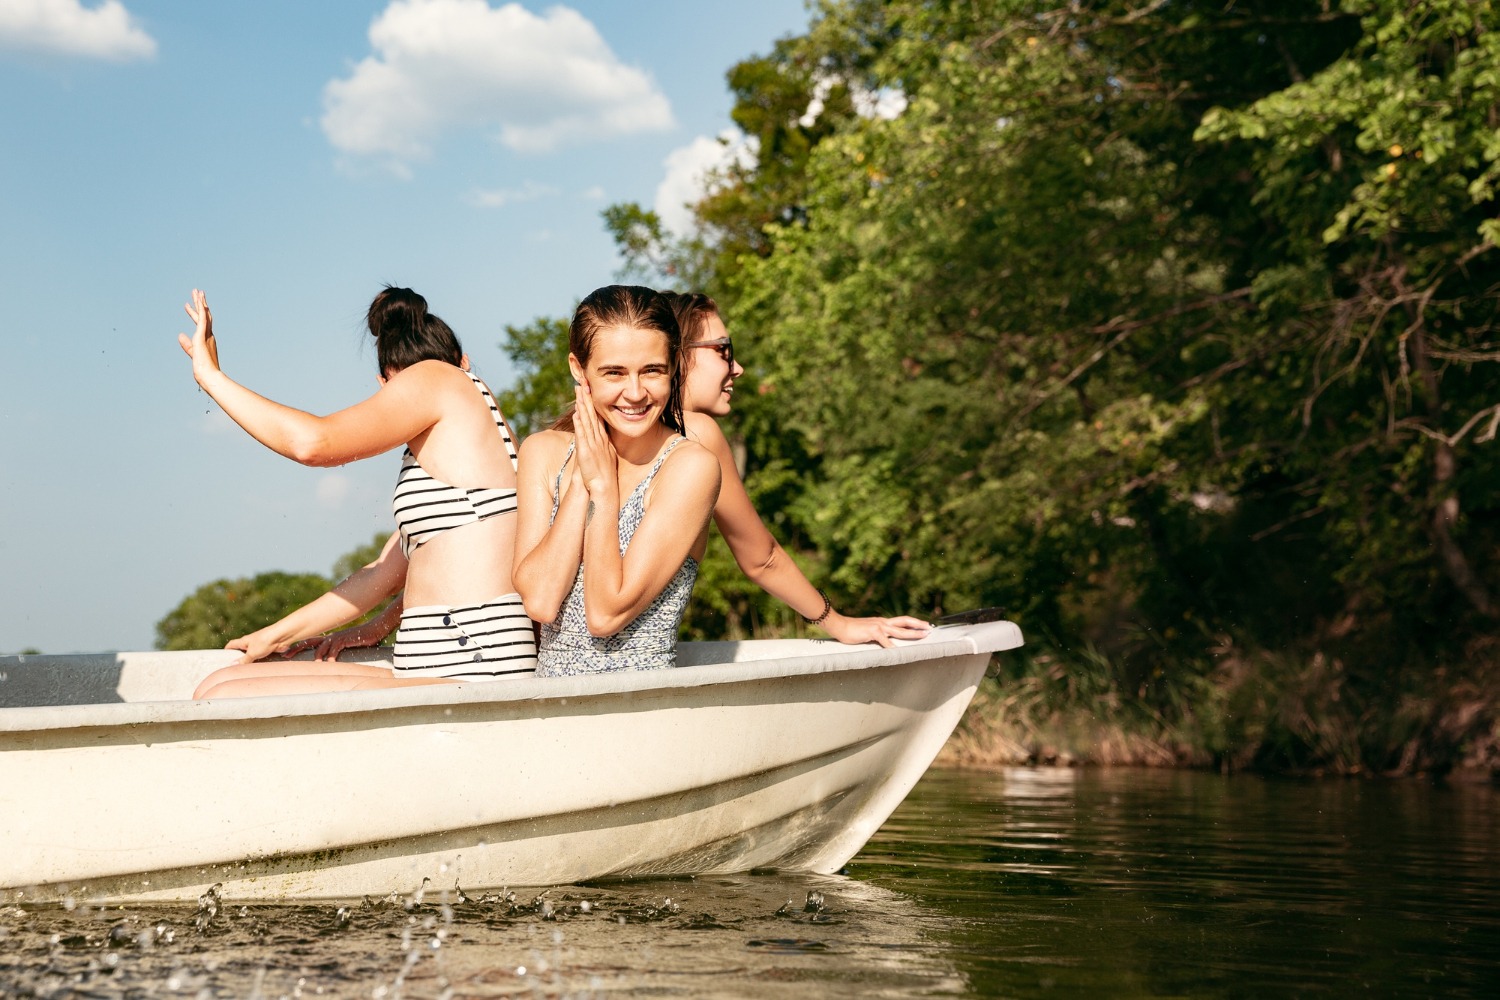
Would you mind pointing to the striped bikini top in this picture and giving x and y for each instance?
(426, 507)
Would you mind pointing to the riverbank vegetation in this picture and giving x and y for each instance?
(1170, 327)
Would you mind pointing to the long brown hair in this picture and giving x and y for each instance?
(692, 310)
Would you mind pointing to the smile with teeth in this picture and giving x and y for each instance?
(633, 411)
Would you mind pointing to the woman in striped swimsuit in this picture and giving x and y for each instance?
(454, 548)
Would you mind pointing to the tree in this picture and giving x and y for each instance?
(219, 611)
(1379, 171)
(1164, 325)
(543, 388)
(225, 609)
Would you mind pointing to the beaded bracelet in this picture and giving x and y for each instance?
(827, 610)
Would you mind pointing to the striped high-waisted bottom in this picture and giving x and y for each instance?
(475, 642)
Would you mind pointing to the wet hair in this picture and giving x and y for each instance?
(692, 310)
(405, 332)
(639, 308)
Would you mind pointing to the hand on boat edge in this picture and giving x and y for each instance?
(877, 630)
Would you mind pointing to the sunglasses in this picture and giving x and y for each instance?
(724, 345)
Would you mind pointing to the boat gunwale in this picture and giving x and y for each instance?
(957, 641)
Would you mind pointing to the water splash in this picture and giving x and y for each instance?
(210, 904)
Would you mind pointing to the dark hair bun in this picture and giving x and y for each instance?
(406, 333)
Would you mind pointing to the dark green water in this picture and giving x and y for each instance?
(1165, 884)
(1020, 883)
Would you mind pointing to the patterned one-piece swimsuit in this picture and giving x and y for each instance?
(649, 642)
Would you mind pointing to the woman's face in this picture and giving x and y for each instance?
(709, 384)
(628, 378)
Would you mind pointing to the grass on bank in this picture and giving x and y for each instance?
(1280, 713)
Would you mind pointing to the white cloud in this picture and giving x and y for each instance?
(886, 103)
(692, 172)
(66, 26)
(534, 82)
(500, 197)
(595, 193)
(332, 490)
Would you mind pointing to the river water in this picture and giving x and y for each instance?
(1015, 883)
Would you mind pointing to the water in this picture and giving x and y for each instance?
(1019, 883)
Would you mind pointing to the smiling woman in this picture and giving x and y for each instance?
(609, 578)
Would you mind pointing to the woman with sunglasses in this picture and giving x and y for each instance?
(708, 392)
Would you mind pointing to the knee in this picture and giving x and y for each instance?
(208, 689)
(219, 678)
(208, 684)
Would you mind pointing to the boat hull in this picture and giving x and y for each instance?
(777, 760)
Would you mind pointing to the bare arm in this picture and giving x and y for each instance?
(362, 636)
(762, 559)
(404, 407)
(364, 589)
(547, 553)
(618, 588)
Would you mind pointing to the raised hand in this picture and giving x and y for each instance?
(201, 346)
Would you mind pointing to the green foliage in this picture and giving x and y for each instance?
(1168, 327)
(226, 609)
(653, 255)
(543, 386)
(219, 611)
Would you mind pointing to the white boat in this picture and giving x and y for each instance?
(785, 754)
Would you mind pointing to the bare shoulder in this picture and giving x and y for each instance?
(545, 447)
(431, 372)
(705, 430)
(432, 381)
(692, 462)
(702, 428)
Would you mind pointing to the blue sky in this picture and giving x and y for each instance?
(290, 158)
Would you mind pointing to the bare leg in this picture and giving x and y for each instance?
(247, 680)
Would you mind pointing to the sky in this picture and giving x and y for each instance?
(290, 158)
